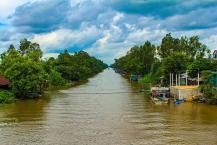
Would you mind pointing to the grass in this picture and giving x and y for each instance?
(7, 97)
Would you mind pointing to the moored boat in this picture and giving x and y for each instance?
(160, 95)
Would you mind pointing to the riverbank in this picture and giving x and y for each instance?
(8, 97)
(193, 98)
(30, 75)
(182, 60)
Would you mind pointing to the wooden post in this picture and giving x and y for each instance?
(179, 80)
(172, 79)
(186, 78)
(198, 79)
(176, 80)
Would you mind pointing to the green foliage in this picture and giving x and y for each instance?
(29, 74)
(175, 63)
(138, 60)
(199, 65)
(191, 46)
(24, 68)
(146, 79)
(207, 76)
(78, 66)
(26, 76)
(154, 76)
(207, 88)
(168, 46)
(7, 97)
(173, 55)
(55, 78)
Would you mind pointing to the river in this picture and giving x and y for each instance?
(107, 110)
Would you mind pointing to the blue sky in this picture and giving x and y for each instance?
(105, 29)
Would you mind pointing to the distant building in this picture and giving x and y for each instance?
(4, 83)
(215, 54)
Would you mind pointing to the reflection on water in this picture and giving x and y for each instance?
(75, 117)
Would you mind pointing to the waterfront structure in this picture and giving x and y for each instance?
(184, 91)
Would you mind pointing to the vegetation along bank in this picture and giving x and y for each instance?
(30, 75)
(173, 55)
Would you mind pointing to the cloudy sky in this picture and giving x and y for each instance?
(104, 28)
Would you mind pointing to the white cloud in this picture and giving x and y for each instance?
(7, 7)
(211, 42)
(104, 40)
(146, 34)
(48, 55)
(66, 38)
(117, 17)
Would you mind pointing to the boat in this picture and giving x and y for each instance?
(160, 95)
(133, 77)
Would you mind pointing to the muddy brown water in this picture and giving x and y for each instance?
(120, 116)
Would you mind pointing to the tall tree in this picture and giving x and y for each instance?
(168, 46)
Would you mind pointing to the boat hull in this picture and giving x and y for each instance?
(158, 101)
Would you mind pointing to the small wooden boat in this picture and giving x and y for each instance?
(159, 101)
(160, 95)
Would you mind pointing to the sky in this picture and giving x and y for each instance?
(106, 29)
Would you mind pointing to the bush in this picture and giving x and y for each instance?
(56, 79)
(207, 88)
(146, 79)
(7, 97)
(26, 77)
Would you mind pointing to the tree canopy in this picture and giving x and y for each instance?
(173, 55)
(138, 60)
(29, 73)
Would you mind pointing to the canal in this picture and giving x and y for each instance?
(107, 110)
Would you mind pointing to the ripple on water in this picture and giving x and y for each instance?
(104, 119)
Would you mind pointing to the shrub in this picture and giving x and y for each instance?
(56, 79)
(7, 97)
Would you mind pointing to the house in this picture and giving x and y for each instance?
(215, 54)
(184, 92)
(4, 82)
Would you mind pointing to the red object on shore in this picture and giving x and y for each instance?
(4, 81)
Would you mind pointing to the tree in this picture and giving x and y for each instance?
(191, 46)
(8, 58)
(24, 46)
(207, 88)
(138, 60)
(31, 50)
(24, 68)
(26, 76)
(30, 74)
(199, 65)
(55, 78)
(168, 46)
(78, 66)
(175, 63)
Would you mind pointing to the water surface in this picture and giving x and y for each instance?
(83, 115)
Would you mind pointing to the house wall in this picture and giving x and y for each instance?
(180, 93)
